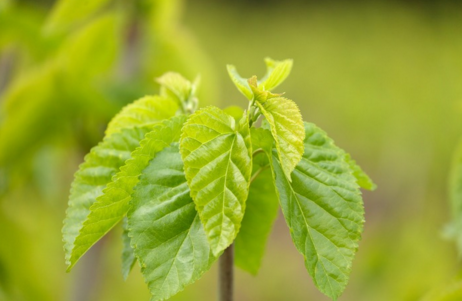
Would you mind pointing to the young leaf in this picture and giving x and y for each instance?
(363, 180)
(100, 165)
(240, 82)
(165, 229)
(146, 111)
(323, 209)
(113, 204)
(176, 85)
(216, 151)
(128, 254)
(277, 72)
(286, 126)
(105, 159)
(261, 207)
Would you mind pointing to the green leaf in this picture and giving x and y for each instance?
(144, 112)
(174, 83)
(277, 72)
(362, 178)
(323, 209)
(100, 165)
(261, 208)
(105, 159)
(67, 13)
(240, 82)
(165, 229)
(286, 126)
(216, 151)
(113, 204)
(128, 254)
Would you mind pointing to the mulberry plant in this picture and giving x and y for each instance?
(192, 186)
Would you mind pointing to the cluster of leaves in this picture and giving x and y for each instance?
(187, 184)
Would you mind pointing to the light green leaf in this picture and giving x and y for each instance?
(174, 83)
(100, 165)
(323, 209)
(113, 204)
(240, 82)
(261, 208)
(144, 112)
(216, 151)
(277, 72)
(128, 254)
(67, 13)
(165, 229)
(286, 126)
(362, 178)
(105, 159)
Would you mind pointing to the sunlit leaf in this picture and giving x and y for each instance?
(104, 161)
(177, 85)
(286, 126)
(240, 82)
(144, 112)
(113, 204)
(323, 209)
(165, 229)
(216, 152)
(277, 72)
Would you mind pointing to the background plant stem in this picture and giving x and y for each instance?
(226, 275)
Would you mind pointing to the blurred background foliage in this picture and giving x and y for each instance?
(383, 78)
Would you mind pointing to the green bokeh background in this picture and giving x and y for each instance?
(382, 78)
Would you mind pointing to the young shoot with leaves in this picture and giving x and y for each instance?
(189, 184)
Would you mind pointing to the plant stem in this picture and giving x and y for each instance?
(226, 274)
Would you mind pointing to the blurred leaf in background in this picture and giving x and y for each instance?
(65, 69)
